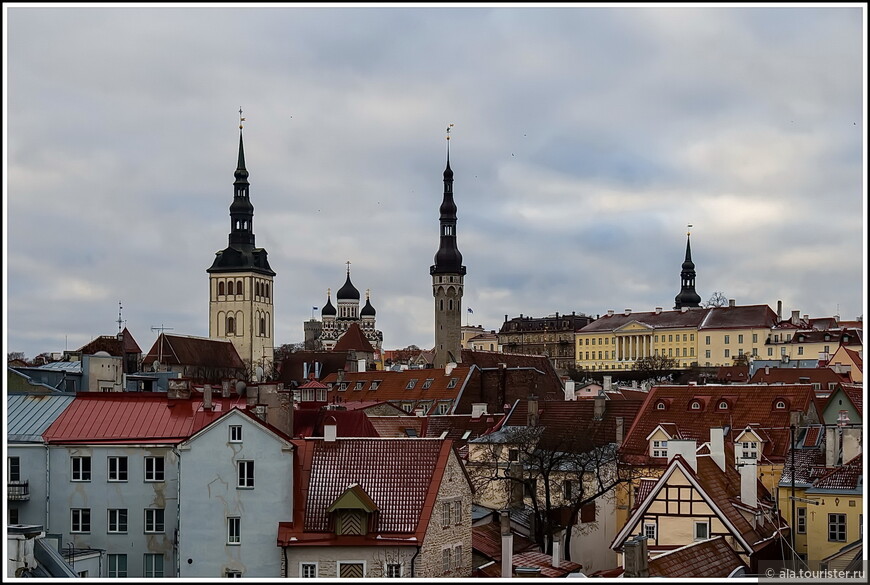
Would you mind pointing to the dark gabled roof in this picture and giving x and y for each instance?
(112, 345)
(354, 339)
(739, 317)
(349, 423)
(706, 559)
(186, 350)
(747, 406)
(847, 477)
(656, 320)
(486, 541)
(730, 374)
(822, 376)
(401, 476)
(393, 386)
(292, 367)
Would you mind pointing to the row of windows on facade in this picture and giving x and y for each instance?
(116, 565)
(778, 404)
(233, 288)
(154, 522)
(451, 560)
(671, 338)
(343, 386)
(263, 330)
(154, 467)
(744, 450)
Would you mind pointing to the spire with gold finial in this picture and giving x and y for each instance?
(240, 118)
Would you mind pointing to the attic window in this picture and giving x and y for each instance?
(411, 432)
(723, 405)
(780, 405)
(342, 387)
(358, 386)
(428, 382)
(411, 383)
(375, 384)
(660, 405)
(695, 405)
(452, 383)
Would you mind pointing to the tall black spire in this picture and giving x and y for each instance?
(241, 253)
(448, 259)
(687, 297)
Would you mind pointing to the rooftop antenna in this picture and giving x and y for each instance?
(161, 329)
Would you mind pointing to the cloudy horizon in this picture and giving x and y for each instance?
(585, 141)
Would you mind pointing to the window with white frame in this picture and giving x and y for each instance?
(452, 383)
(234, 530)
(232, 574)
(749, 450)
(443, 408)
(117, 469)
(457, 511)
(153, 565)
(446, 509)
(80, 520)
(154, 521)
(457, 556)
(117, 565)
(659, 448)
(393, 570)
(411, 383)
(246, 474)
(801, 520)
(427, 382)
(837, 527)
(117, 520)
(154, 467)
(81, 468)
(308, 570)
(375, 384)
(702, 530)
(235, 433)
(321, 394)
(445, 560)
(649, 530)
(358, 385)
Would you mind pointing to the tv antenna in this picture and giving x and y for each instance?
(161, 329)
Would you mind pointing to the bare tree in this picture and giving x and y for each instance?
(655, 367)
(717, 299)
(555, 473)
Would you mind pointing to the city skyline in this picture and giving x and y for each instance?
(585, 141)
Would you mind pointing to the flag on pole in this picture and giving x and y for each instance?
(469, 310)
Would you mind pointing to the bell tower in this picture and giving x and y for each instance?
(448, 279)
(241, 294)
(687, 296)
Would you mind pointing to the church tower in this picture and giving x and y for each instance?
(687, 297)
(241, 296)
(448, 276)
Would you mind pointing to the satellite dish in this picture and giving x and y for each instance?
(240, 388)
(259, 373)
(155, 367)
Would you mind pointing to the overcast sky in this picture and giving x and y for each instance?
(586, 139)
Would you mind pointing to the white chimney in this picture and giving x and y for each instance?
(851, 444)
(686, 449)
(507, 545)
(557, 549)
(620, 430)
(598, 407)
(478, 409)
(610, 312)
(206, 397)
(683, 309)
(628, 312)
(832, 446)
(225, 388)
(569, 390)
(795, 317)
(360, 365)
(608, 383)
(449, 368)
(330, 430)
(717, 446)
(749, 483)
(658, 310)
(635, 558)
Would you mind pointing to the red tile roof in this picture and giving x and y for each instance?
(393, 386)
(846, 477)
(545, 563)
(706, 559)
(732, 374)
(401, 476)
(747, 405)
(395, 426)
(186, 350)
(354, 339)
(855, 394)
(112, 345)
(486, 540)
(134, 417)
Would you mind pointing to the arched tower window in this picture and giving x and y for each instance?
(238, 287)
(267, 290)
(231, 325)
(230, 288)
(263, 326)
(221, 290)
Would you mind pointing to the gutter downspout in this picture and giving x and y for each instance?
(286, 566)
(47, 486)
(177, 512)
(414, 558)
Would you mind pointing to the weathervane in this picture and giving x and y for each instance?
(240, 118)
(689, 233)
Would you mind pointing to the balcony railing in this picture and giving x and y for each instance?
(18, 490)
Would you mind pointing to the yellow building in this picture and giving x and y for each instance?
(838, 518)
(699, 336)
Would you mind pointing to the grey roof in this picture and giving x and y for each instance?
(74, 367)
(29, 415)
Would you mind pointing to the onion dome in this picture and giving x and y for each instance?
(328, 310)
(348, 291)
(368, 310)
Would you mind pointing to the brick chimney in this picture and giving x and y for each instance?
(635, 559)
(206, 397)
(507, 544)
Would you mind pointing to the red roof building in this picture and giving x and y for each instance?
(406, 501)
(706, 559)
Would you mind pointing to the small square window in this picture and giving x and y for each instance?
(702, 531)
(117, 469)
(154, 523)
(81, 468)
(308, 570)
(235, 433)
(154, 469)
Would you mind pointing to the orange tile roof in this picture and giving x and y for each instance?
(401, 476)
(707, 559)
(354, 339)
(545, 563)
(747, 405)
(133, 417)
(486, 540)
(393, 386)
(823, 376)
(847, 477)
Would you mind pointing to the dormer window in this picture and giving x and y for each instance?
(375, 384)
(427, 382)
(660, 405)
(659, 448)
(779, 405)
(358, 386)
(723, 405)
(749, 450)
(695, 405)
(452, 383)
(411, 383)
(342, 387)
